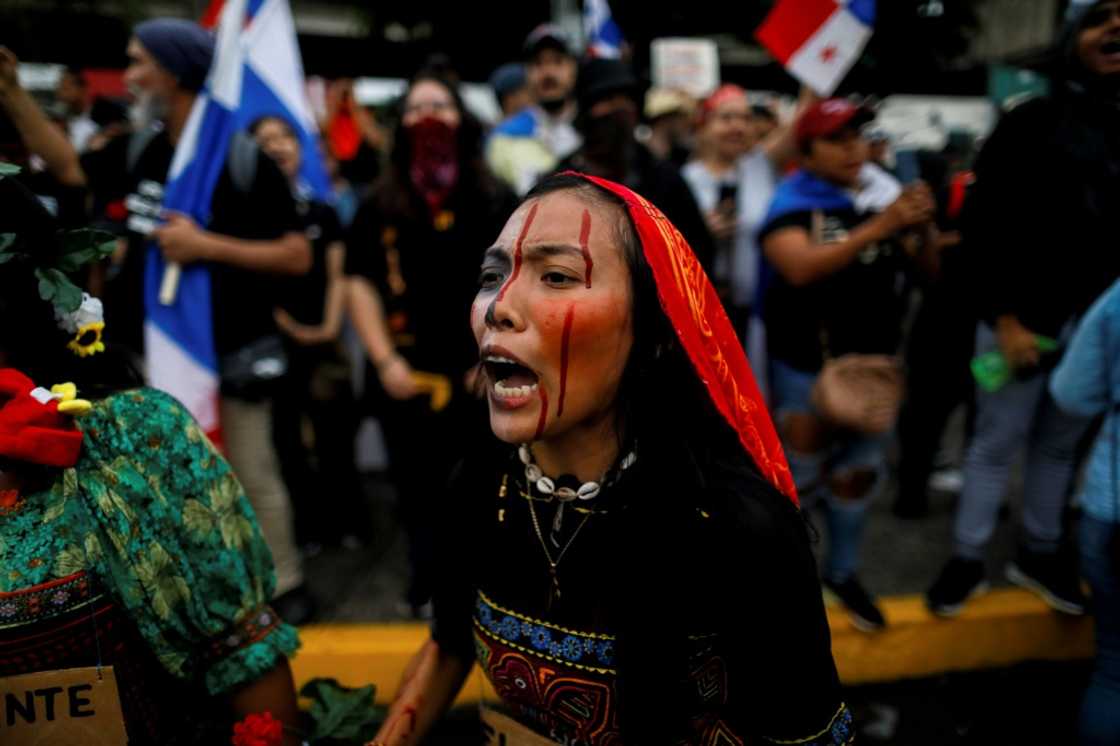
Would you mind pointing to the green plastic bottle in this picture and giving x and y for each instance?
(992, 371)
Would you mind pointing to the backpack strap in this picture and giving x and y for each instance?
(138, 142)
(243, 156)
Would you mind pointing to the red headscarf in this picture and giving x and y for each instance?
(705, 332)
(723, 94)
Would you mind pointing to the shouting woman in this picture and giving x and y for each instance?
(628, 564)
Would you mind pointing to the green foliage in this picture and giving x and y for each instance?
(340, 715)
(76, 249)
(85, 246)
(57, 289)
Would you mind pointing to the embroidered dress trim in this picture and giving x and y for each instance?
(585, 650)
(252, 629)
(838, 732)
(46, 600)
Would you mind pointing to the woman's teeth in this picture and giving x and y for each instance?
(512, 392)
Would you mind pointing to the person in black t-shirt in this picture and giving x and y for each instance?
(254, 236)
(834, 290)
(1040, 226)
(309, 313)
(414, 245)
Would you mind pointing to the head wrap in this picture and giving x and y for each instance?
(181, 47)
(704, 331)
(723, 94)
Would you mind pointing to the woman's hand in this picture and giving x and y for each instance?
(1017, 343)
(308, 336)
(396, 377)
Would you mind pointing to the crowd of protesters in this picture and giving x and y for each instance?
(963, 290)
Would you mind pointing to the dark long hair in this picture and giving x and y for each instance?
(689, 459)
(394, 193)
(30, 338)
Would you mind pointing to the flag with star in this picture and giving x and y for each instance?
(818, 41)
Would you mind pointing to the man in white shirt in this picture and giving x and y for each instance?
(529, 144)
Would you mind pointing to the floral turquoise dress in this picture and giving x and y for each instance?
(145, 556)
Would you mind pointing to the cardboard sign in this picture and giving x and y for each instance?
(62, 708)
(502, 730)
(689, 65)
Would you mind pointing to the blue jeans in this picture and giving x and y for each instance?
(848, 452)
(1100, 710)
(1020, 415)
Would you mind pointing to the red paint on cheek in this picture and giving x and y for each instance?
(517, 251)
(542, 420)
(584, 236)
(565, 345)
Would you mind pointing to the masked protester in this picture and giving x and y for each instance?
(414, 245)
(637, 464)
(608, 94)
(128, 546)
(1040, 232)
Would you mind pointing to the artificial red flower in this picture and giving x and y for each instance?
(258, 729)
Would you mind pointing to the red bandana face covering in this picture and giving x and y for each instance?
(32, 430)
(435, 161)
(702, 326)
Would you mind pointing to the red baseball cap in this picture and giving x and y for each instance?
(827, 117)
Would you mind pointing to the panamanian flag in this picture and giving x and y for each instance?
(604, 38)
(818, 41)
(256, 71)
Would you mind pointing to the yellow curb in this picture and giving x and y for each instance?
(1004, 627)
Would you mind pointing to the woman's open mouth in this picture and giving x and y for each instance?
(512, 383)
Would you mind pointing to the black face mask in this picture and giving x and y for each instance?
(608, 139)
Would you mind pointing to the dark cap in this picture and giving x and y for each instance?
(508, 78)
(547, 36)
(600, 78)
(181, 47)
(828, 117)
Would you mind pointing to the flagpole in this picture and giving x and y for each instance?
(169, 286)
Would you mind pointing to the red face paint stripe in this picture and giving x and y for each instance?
(584, 235)
(543, 419)
(565, 341)
(517, 251)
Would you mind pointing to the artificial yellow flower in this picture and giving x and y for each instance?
(87, 340)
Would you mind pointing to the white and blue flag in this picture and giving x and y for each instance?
(256, 71)
(604, 38)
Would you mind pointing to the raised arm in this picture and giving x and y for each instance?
(39, 135)
(780, 145)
